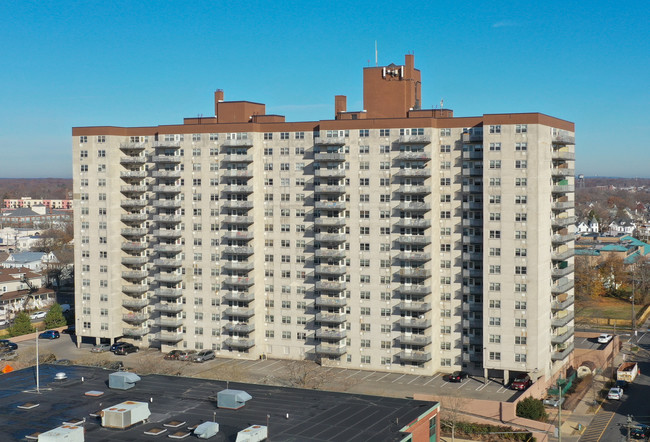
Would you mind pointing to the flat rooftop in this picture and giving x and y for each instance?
(312, 415)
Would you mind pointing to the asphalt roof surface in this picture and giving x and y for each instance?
(312, 415)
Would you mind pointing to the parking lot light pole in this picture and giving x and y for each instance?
(559, 412)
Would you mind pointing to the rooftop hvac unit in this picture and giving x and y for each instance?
(122, 380)
(67, 433)
(125, 414)
(254, 433)
(206, 430)
(232, 399)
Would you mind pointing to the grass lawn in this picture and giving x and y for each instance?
(604, 307)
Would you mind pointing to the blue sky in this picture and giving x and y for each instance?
(131, 63)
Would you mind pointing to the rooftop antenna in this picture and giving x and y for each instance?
(376, 62)
(442, 103)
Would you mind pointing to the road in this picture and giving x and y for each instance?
(635, 401)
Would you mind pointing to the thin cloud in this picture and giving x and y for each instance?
(505, 24)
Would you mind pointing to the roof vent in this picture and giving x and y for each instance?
(232, 399)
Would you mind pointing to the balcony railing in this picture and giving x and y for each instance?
(563, 171)
(175, 159)
(411, 339)
(562, 256)
(138, 331)
(414, 272)
(235, 188)
(563, 155)
(239, 327)
(169, 322)
(414, 139)
(240, 311)
(134, 260)
(330, 141)
(238, 250)
(133, 231)
(167, 218)
(414, 206)
(135, 318)
(239, 342)
(161, 262)
(163, 173)
(562, 305)
(414, 323)
(136, 303)
(230, 295)
(167, 203)
(169, 277)
(235, 235)
(329, 253)
(561, 321)
(414, 190)
(563, 336)
(237, 204)
(330, 285)
(330, 270)
(331, 318)
(413, 156)
(330, 237)
(331, 335)
(329, 189)
(330, 205)
(414, 256)
(563, 139)
(166, 292)
(563, 221)
(169, 307)
(329, 173)
(421, 290)
(559, 239)
(133, 174)
(237, 143)
(333, 350)
(413, 222)
(329, 301)
(329, 221)
(133, 203)
(168, 248)
(239, 281)
(237, 159)
(562, 205)
(237, 173)
(135, 289)
(238, 220)
(562, 188)
(421, 240)
(135, 274)
(134, 189)
(133, 217)
(564, 271)
(238, 265)
(169, 336)
(413, 172)
(167, 189)
(329, 157)
(412, 306)
(563, 353)
(414, 356)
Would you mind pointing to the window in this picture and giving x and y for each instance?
(364, 149)
(495, 269)
(495, 356)
(495, 321)
(445, 181)
(495, 286)
(365, 343)
(521, 164)
(495, 251)
(521, 199)
(446, 132)
(495, 339)
(520, 234)
(520, 340)
(363, 133)
(101, 138)
(521, 128)
(284, 135)
(445, 148)
(495, 129)
(83, 139)
(365, 327)
(520, 270)
(384, 132)
(520, 322)
(521, 252)
(521, 147)
(495, 147)
(520, 357)
(521, 217)
(364, 181)
(299, 135)
(268, 135)
(495, 164)
(521, 182)
(495, 216)
(495, 234)
(520, 305)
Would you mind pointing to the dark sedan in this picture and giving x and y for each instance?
(8, 343)
(126, 349)
(457, 376)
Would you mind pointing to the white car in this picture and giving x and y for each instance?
(604, 338)
(615, 393)
(37, 315)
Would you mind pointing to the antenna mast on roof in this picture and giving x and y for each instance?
(376, 62)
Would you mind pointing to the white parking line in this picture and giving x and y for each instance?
(398, 379)
(430, 380)
(503, 389)
(383, 377)
(366, 377)
(481, 387)
(413, 379)
(272, 364)
(353, 373)
(256, 363)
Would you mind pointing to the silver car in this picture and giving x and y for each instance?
(100, 348)
(203, 355)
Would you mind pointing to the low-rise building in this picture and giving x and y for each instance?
(22, 289)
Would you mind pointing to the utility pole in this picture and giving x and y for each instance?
(629, 426)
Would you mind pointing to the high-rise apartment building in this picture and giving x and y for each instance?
(392, 238)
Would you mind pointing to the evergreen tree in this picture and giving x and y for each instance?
(54, 317)
(22, 325)
(531, 408)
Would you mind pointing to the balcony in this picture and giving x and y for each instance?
(472, 205)
(133, 146)
(240, 311)
(562, 337)
(167, 292)
(329, 221)
(171, 322)
(412, 306)
(413, 256)
(472, 273)
(168, 233)
(472, 188)
(168, 218)
(471, 222)
(133, 203)
(330, 318)
(330, 270)
(420, 290)
(340, 157)
(165, 159)
(237, 143)
(472, 155)
(133, 159)
(329, 173)
(411, 339)
(330, 286)
(331, 350)
(164, 173)
(238, 250)
(238, 204)
(135, 318)
(237, 159)
(472, 256)
(167, 203)
(236, 235)
(135, 289)
(134, 260)
(563, 221)
(135, 274)
(414, 239)
(133, 217)
(331, 334)
(413, 156)
(472, 239)
(166, 143)
(329, 189)
(562, 188)
(413, 222)
(136, 331)
(560, 239)
(472, 171)
(563, 155)
(246, 220)
(164, 262)
(472, 290)
(169, 336)
(562, 205)
(133, 232)
(230, 295)
(168, 248)
(414, 190)
(558, 305)
(133, 189)
(414, 206)
(413, 173)
(414, 139)
(236, 188)
(468, 137)
(413, 272)
(414, 356)
(238, 265)
(136, 303)
(563, 171)
(561, 286)
(330, 141)
(563, 139)
(564, 271)
(133, 174)
(239, 342)
(239, 327)
(414, 323)
(562, 353)
(562, 256)
(330, 205)
(169, 307)
(237, 173)
(472, 307)
(330, 237)
(329, 253)
(330, 301)
(167, 189)
(242, 281)
(169, 277)
(561, 321)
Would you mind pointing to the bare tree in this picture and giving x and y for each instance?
(452, 411)
(304, 374)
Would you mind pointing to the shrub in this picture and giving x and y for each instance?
(22, 325)
(531, 408)
(54, 317)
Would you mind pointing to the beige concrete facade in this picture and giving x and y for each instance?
(405, 244)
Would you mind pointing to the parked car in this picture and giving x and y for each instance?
(100, 348)
(203, 355)
(50, 334)
(173, 355)
(640, 431)
(71, 330)
(186, 355)
(37, 315)
(8, 343)
(604, 338)
(622, 385)
(521, 382)
(3, 322)
(457, 376)
(126, 349)
(553, 401)
(116, 345)
(615, 393)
